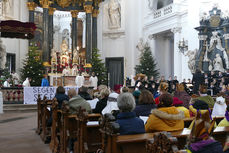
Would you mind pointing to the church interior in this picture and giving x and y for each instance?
(114, 76)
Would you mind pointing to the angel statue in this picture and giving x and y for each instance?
(192, 60)
(53, 56)
(75, 56)
(2, 55)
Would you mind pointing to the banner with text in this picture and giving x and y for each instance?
(31, 93)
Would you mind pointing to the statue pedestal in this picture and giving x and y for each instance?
(205, 66)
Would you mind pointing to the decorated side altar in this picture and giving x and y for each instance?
(214, 45)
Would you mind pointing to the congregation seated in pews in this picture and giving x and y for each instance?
(75, 129)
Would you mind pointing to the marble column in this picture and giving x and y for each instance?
(50, 29)
(94, 28)
(45, 48)
(74, 30)
(31, 6)
(88, 9)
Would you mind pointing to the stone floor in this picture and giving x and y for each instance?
(17, 134)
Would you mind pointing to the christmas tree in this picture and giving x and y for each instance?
(148, 65)
(98, 67)
(33, 67)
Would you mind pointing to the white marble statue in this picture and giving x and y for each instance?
(114, 14)
(218, 63)
(140, 46)
(215, 42)
(65, 36)
(2, 55)
(8, 7)
(150, 4)
(192, 60)
(53, 56)
(75, 56)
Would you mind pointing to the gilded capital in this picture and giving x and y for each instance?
(88, 8)
(95, 13)
(87, 0)
(51, 10)
(74, 13)
(31, 6)
(45, 3)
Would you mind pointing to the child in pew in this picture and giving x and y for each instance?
(127, 120)
(225, 121)
(200, 140)
(166, 117)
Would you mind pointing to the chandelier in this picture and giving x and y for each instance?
(183, 46)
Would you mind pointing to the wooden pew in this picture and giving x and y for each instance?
(112, 142)
(163, 142)
(54, 144)
(45, 116)
(39, 101)
(88, 138)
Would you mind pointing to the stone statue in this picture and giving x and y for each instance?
(7, 7)
(53, 57)
(192, 60)
(75, 56)
(65, 36)
(150, 4)
(140, 46)
(218, 63)
(215, 42)
(2, 55)
(114, 14)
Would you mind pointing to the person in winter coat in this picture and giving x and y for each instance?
(166, 117)
(127, 120)
(101, 104)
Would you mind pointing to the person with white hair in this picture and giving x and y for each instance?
(219, 108)
(7, 83)
(26, 83)
(111, 103)
(127, 120)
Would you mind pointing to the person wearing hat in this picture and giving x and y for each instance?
(136, 95)
(220, 107)
(200, 140)
(111, 103)
(179, 105)
(166, 117)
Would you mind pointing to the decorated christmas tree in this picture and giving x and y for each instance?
(148, 65)
(98, 67)
(33, 67)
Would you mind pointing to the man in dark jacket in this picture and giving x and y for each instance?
(198, 78)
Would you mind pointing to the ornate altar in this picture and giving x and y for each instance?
(64, 66)
(214, 45)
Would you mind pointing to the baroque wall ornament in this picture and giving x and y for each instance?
(64, 3)
(213, 36)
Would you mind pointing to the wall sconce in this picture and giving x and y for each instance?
(183, 46)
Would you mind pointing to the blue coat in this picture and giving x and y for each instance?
(45, 82)
(130, 124)
(144, 110)
(60, 98)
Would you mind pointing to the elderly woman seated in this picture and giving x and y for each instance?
(166, 117)
(129, 123)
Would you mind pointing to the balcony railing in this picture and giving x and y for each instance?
(164, 11)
